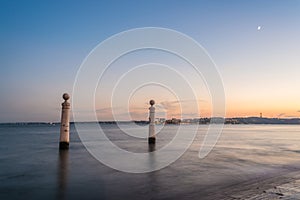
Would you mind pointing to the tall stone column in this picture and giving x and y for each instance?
(65, 123)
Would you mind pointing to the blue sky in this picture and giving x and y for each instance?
(43, 44)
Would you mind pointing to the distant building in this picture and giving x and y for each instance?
(173, 121)
(160, 120)
(231, 121)
(204, 120)
(186, 121)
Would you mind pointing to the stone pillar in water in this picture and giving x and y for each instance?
(151, 138)
(65, 123)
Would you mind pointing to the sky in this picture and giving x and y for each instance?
(43, 44)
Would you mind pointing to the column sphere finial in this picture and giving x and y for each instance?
(152, 102)
(66, 96)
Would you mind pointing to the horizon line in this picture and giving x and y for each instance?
(141, 120)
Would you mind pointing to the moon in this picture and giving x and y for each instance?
(258, 28)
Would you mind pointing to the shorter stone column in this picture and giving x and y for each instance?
(151, 138)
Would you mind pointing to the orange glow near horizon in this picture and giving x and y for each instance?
(267, 110)
(172, 109)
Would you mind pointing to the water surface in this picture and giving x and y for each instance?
(32, 167)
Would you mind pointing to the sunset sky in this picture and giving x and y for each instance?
(254, 44)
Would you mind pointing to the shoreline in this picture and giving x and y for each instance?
(141, 122)
(284, 185)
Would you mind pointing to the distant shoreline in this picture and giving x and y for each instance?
(201, 121)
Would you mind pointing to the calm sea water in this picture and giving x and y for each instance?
(32, 167)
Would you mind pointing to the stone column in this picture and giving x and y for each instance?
(151, 138)
(65, 123)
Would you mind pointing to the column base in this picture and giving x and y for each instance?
(151, 140)
(63, 145)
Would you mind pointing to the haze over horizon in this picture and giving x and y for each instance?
(254, 44)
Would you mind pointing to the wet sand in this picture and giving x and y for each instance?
(285, 185)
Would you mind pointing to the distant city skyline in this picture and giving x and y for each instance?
(254, 44)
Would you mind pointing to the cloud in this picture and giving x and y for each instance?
(164, 109)
(281, 115)
(190, 115)
(133, 115)
(168, 105)
(109, 109)
(172, 104)
(122, 113)
(298, 110)
(291, 116)
(106, 113)
(103, 110)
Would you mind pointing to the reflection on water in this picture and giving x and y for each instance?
(152, 183)
(62, 173)
(151, 147)
(34, 169)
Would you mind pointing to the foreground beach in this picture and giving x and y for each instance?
(279, 186)
(248, 162)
